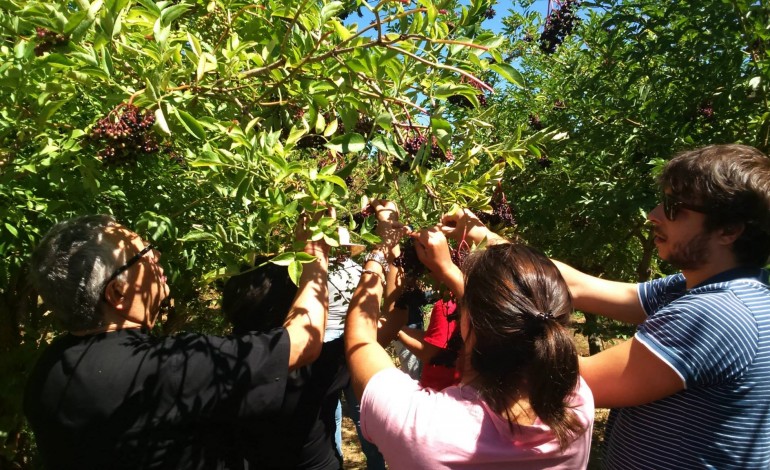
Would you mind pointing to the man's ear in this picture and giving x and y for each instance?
(730, 233)
(114, 293)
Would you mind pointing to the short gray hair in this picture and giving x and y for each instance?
(70, 268)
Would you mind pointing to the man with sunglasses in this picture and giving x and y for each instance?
(108, 394)
(691, 389)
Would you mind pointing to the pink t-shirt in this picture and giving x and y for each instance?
(416, 427)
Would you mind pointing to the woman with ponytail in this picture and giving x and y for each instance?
(521, 402)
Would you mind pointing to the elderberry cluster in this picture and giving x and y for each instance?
(558, 26)
(414, 144)
(124, 135)
(459, 254)
(463, 101)
(408, 260)
(706, 110)
(47, 40)
(502, 212)
(534, 122)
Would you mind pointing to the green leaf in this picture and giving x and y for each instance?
(171, 13)
(343, 32)
(509, 73)
(190, 124)
(295, 271)
(160, 121)
(386, 144)
(197, 236)
(284, 259)
(348, 143)
(12, 229)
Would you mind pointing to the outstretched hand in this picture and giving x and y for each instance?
(389, 228)
(302, 233)
(462, 224)
(433, 251)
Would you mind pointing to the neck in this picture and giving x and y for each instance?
(718, 264)
(104, 329)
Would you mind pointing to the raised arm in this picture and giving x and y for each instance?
(433, 251)
(306, 320)
(364, 354)
(462, 224)
(412, 338)
(616, 300)
(390, 231)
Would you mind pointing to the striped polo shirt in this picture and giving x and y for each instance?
(716, 336)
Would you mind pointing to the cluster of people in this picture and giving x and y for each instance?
(505, 388)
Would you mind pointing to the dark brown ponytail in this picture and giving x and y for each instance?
(518, 306)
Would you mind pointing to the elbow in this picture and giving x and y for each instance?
(306, 350)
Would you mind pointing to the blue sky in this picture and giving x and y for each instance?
(502, 9)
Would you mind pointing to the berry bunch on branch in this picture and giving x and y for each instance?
(501, 217)
(417, 142)
(559, 24)
(124, 135)
(47, 40)
(463, 101)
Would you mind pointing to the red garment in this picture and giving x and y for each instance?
(440, 329)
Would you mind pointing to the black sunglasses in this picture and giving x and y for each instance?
(671, 206)
(130, 262)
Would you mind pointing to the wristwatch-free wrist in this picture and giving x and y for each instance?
(379, 258)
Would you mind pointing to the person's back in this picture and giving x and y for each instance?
(108, 394)
(717, 335)
(299, 434)
(127, 399)
(455, 428)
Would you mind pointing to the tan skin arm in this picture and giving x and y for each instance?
(611, 299)
(390, 231)
(365, 355)
(412, 338)
(433, 251)
(306, 321)
(628, 374)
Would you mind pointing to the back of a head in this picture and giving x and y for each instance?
(260, 298)
(733, 182)
(70, 267)
(518, 306)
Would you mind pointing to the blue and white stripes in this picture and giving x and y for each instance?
(716, 336)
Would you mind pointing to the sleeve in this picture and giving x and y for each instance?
(655, 294)
(437, 331)
(708, 338)
(388, 405)
(230, 376)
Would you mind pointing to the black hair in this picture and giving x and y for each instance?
(259, 298)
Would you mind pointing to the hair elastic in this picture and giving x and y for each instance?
(544, 316)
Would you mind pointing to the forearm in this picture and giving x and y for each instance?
(412, 338)
(365, 356)
(393, 317)
(616, 300)
(306, 320)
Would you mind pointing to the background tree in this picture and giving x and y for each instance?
(629, 83)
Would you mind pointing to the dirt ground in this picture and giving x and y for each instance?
(354, 459)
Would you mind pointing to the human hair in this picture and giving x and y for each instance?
(70, 267)
(732, 182)
(258, 299)
(518, 307)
